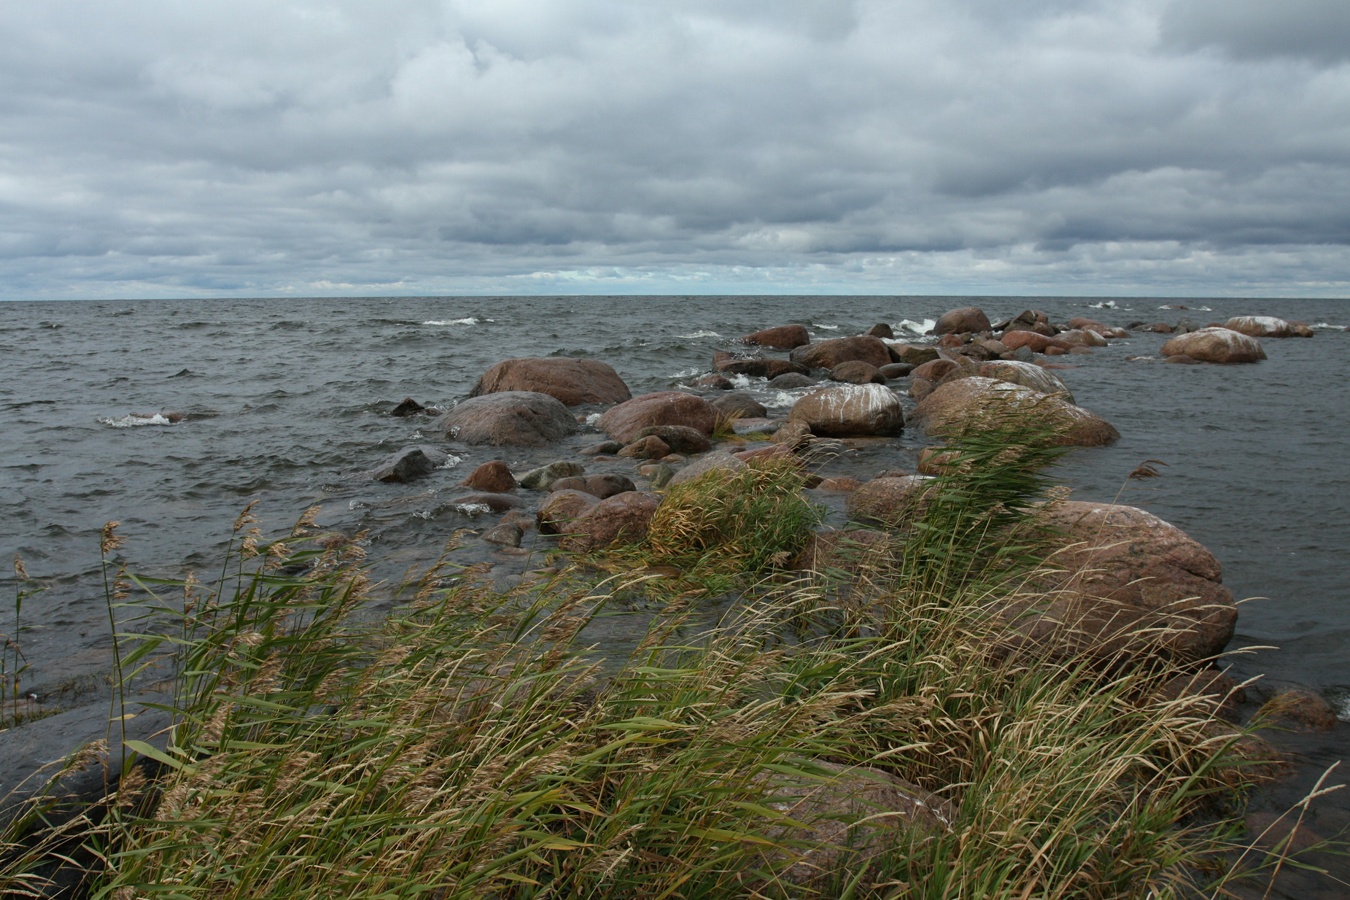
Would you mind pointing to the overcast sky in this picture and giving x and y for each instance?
(157, 148)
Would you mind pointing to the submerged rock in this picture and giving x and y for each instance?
(783, 337)
(410, 464)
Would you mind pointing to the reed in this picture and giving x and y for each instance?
(475, 745)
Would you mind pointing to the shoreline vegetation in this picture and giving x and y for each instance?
(961, 694)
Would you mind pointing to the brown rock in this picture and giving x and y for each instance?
(1299, 709)
(1107, 331)
(624, 421)
(915, 356)
(936, 370)
(1127, 581)
(563, 507)
(974, 402)
(847, 410)
(623, 518)
(679, 438)
(1027, 375)
(848, 550)
(966, 320)
(494, 477)
(757, 367)
(828, 354)
(482, 501)
(783, 337)
(1032, 340)
(1081, 337)
(894, 502)
(738, 405)
(602, 486)
(515, 418)
(896, 370)
(1215, 345)
(570, 381)
(649, 447)
(792, 435)
(856, 372)
(1260, 326)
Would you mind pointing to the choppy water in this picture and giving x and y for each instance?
(285, 401)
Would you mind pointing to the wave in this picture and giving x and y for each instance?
(824, 327)
(1107, 304)
(136, 420)
(470, 320)
(700, 334)
(1327, 326)
(913, 327)
(1175, 306)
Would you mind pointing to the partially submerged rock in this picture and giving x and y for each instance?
(783, 337)
(1262, 326)
(409, 464)
(828, 354)
(622, 518)
(570, 381)
(977, 402)
(625, 421)
(509, 418)
(1215, 345)
(847, 410)
(965, 320)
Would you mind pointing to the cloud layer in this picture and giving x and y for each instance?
(259, 147)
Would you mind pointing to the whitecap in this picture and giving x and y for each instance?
(700, 334)
(1327, 326)
(135, 420)
(471, 509)
(687, 373)
(913, 327)
(1106, 304)
(451, 461)
(471, 320)
(824, 327)
(592, 419)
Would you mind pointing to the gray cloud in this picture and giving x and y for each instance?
(1315, 30)
(420, 146)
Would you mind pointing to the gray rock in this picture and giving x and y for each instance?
(509, 418)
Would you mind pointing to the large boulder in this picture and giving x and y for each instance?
(966, 320)
(571, 381)
(978, 402)
(828, 354)
(846, 410)
(783, 337)
(1216, 345)
(625, 421)
(514, 418)
(855, 372)
(1125, 580)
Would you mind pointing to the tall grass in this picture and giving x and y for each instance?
(472, 745)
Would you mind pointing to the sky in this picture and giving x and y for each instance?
(159, 148)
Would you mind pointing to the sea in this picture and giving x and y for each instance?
(172, 416)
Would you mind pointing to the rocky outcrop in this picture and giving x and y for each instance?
(571, 381)
(510, 418)
(978, 402)
(850, 410)
(783, 337)
(1215, 345)
(625, 421)
(1125, 580)
(828, 354)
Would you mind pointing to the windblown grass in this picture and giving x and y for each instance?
(470, 746)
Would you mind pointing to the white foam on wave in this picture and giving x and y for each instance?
(1106, 304)
(471, 320)
(1327, 326)
(824, 327)
(471, 509)
(700, 334)
(451, 460)
(1184, 308)
(922, 327)
(592, 419)
(687, 373)
(135, 421)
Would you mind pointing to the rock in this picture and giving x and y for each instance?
(1215, 345)
(757, 367)
(1210, 689)
(720, 460)
(624, 421)
(604, 448)
(494, 477)
(1126, 581)
(570, 381)
(562, 507)
(409, 407)
(1029, 320)
(966, 320)
(506, 534)
(649, 447)
(409, 464)
(542, 478)
(896, 370)
(828, 354)
(481, 502)
(1154, 327)
(1082, 337)
(1026, 374)
(893, 502)
(714, 382)
(738, 405)
(602, 486)
(1079, 323)
(1032, 340)
(988, 348)
(847, 809)
(975, 402)
(1299, 709)
(791, 381)
(1260, 326)
(857, 373)
(936, 369)
(515, 418)
(882, 330)
(783, 337)
(1182, 359)
(850, 410)
(679, 438)
(623, 518)
(792, 435)
(915, 356)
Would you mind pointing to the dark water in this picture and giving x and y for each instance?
(285, 403)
